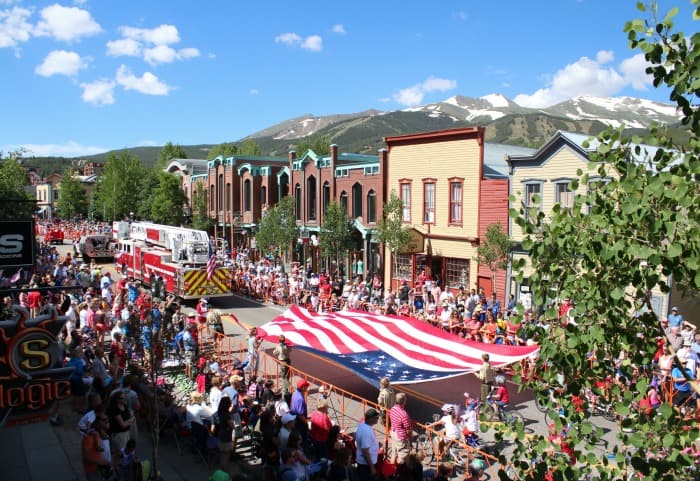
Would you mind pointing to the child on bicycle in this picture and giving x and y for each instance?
(499, 394)
(451, 432)
(470, 418)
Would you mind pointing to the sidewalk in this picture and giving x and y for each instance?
(41, 452)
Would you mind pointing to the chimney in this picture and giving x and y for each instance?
(334, 155)
(383, 171)
(292, 157)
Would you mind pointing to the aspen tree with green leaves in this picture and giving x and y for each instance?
(622, 238)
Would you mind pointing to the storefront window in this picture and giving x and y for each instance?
(404, 266)
(456, 272)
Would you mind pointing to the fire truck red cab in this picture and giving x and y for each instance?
(178, 255)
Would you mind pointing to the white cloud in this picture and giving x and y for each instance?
(161, 35)
(253, 91)
(14, 27)
(66, 23)
(583, 77)
(188, 52)
(339, 29)
(211, 55)
(61, 62)
(159, 54)
(432, 84)
(634, 71)
(290, 38)
(153, 44)
(99, 92)
(124, 47)
(605, 56)
(147, 84)
(313, 43)
(414, 95)
(69, 149)
(165, 54)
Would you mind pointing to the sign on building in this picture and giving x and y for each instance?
(32, 373)
(17, 243)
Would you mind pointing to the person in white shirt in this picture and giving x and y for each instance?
(470, 416)
(106, 286)
(281, 406)
(451, 431)
(215, 394)
(196, 410)
(96, 407)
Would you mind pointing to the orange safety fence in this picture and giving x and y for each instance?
(345, 408)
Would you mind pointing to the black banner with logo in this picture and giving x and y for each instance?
(17, 240)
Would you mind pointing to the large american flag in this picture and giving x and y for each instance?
(211, 263)
(406, 350)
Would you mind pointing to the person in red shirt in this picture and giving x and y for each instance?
(95, 448)
(500, 394)
(320, 429)
(34, 301)
(401, 430)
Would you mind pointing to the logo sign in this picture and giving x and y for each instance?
(32, 375)
(16, 243)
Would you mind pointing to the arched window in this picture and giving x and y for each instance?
(344, 201)
(284, 186)
(263, 195)
(356, 200)
(246, 195)
(326, 196)
(311, 198)
(228, 196)
(297, 201)
(371, 207)
(220, 191)
(212, 199)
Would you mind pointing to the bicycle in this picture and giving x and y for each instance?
(458, 452)
(498, 412)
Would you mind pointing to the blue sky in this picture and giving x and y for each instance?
(86, 76)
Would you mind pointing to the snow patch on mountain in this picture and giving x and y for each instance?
(496, 100)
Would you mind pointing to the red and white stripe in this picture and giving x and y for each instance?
(411, 341)
(211, 266)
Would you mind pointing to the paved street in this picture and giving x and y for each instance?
(424, 400)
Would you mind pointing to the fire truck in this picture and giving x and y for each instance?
(178, 255)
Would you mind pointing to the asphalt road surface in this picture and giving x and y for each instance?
(424, 399)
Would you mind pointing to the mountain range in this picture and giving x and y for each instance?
(504, 121)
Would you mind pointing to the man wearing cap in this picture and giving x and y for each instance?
(675, 319)
(681, 386)
(367, 446)
(281, 352)
(288, 421)
(320, 429)
(485, 375)
(299, 408)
